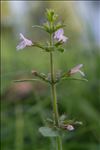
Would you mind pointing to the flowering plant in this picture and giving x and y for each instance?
(57, 123)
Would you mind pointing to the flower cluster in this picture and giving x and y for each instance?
(58, 35)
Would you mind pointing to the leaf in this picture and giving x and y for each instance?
(48, 132)
(26, 80)
(50, 15)
(37, 26)
(46, 27)
(62, 117)
(68, 122)
(31, 80)
(78, 123)
(70, 78)
(58, 26)
(61, 49)
(49, 48)
(49, 120)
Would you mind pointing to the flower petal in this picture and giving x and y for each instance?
(64, 38)
(76, 69)
(21, 45)
(70, 127)
(81, 72)
(59, 35)
(28, 42)
(21, 36)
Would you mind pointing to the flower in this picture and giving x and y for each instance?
(24, 42)
(59, 35)
(34, 73)
(76, 69)
(70, 127)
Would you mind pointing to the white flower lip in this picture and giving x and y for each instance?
(59, 35)
(70, 127)
(24, 42)
(77, 69)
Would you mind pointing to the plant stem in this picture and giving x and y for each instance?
(54, 98)
(59, 143)
(19, 127)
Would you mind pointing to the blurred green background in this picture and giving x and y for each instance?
(25, 106)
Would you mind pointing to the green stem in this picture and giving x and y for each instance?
(54, 97)
(59, 143)
(19, 127)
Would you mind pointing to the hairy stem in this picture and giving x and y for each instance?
(19, 127)
(59, 143)
(54, 98)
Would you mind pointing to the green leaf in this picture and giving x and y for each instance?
(62, 117)
(49, 120)
(58, 26)
(70, 78)
(26, 80)
(48, 132)
(79, 79)
(46, 27)
(31, 80)
(60, 49)
(58, 44)
(50, 15)
(78, 123)
(68, 122)
(37, 26)
(49, 48)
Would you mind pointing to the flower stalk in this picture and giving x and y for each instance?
(54, 97)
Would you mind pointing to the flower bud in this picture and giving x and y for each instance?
(34, 73)
(69, 127)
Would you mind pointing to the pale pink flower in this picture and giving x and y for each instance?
(59, 35)
(69, 127)
(24, 42)
(76, 69)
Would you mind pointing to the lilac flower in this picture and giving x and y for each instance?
(59, 35)
(69, 127)
(24, 42)
(76, 69)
